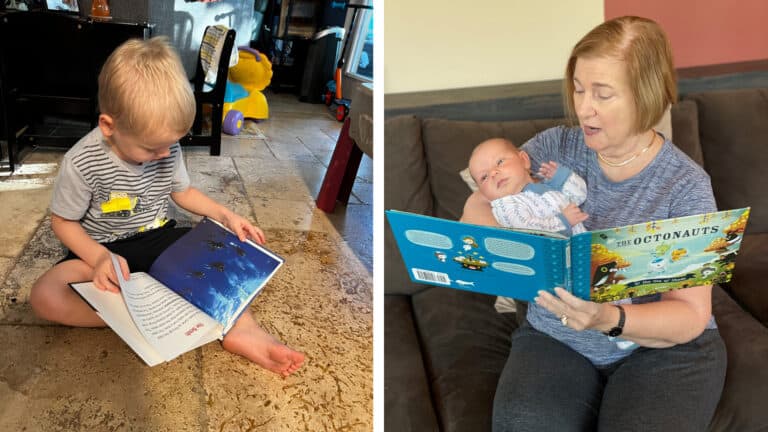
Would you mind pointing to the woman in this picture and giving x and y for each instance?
(663, 366)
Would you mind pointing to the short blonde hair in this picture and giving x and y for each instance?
(643, 47)
(144, 88)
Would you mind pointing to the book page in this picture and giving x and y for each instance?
(111, 308)
(167, 321)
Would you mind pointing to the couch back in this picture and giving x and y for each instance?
(726, 132)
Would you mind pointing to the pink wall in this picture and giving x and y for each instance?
(705, 32)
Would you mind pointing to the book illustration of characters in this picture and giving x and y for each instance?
(468, 257)
(688, 253)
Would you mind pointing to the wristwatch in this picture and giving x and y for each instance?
(616, 331)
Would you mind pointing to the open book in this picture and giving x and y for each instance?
(193, 294)
(603, 265)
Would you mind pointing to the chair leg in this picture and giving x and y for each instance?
(216, 113)
(197, 125)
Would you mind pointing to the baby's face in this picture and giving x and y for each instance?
(499, 169)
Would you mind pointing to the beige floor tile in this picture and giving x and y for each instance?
(297, 215)
(242, 147)
(291, 149)
(318, 303)
(64, 379)
(218, 178)
(21, 213)
(288, 180)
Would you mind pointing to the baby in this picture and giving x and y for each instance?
(502, 174)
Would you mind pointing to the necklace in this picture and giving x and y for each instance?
(631, 158)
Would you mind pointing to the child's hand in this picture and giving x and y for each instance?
(104, 276)
(243, 229)
(548, 169)
(574, 215)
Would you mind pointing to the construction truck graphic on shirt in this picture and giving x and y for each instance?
(120, 204)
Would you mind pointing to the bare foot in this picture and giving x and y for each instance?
(249, 340)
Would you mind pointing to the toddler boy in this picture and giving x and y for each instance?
(133, 158)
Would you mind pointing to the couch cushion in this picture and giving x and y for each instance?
(734, 137)
(742, 405)
(407, 401)
(406, 188)
(448, 144)
(465, 345)
(748, 284)
(685, 129)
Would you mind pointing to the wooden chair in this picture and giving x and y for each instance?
(214, 97)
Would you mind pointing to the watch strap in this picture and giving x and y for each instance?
(619, 328)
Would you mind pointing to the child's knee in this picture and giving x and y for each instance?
(38, 300)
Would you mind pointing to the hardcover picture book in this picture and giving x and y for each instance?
(601, 266)
(193, 293)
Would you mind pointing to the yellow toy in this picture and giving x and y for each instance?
(243, 97)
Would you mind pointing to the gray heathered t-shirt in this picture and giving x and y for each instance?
(672, 185)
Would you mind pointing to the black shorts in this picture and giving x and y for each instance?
(142, 249)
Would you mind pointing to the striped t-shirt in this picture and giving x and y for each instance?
(113, 198)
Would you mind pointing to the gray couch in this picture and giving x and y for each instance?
(445, 348)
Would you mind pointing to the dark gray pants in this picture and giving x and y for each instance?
(546, 386)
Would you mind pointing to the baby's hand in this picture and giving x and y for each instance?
(548, 169)
(242, 228)
(104, 276)
(574, 215)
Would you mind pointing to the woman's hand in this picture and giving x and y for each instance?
(242, 228)
(104, 276)
(580, 314)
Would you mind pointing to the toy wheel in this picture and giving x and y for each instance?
(328, 98)
(341, 112)
(233, 122)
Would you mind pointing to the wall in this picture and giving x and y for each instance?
(434, 44)
(705, 32)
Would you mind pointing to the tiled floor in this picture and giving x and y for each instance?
(56, 378)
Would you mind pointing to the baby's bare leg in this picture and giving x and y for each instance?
(53, 299)
(249, 340)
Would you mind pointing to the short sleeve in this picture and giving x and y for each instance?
(181, 180)
(71, 195)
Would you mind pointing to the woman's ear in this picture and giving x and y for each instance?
(107, 125)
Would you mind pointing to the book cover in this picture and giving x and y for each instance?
(602, 265)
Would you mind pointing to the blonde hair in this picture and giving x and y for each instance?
(643, 47)
(144, 88)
